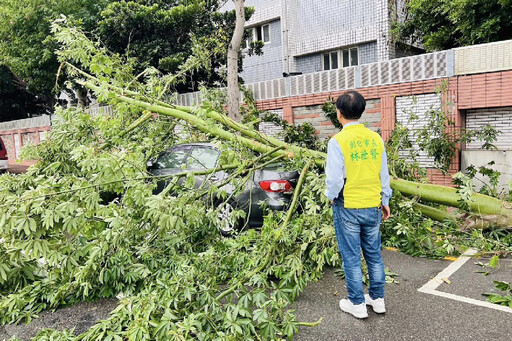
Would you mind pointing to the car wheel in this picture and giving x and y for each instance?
(227, 225)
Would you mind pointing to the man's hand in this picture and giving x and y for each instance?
(386, 212)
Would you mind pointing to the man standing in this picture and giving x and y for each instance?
(357, 180)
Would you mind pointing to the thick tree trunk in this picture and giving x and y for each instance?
(82, 96)
(488, 211)
(233, 54)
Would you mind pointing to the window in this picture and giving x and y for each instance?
(202, 158)
(259, 33)
(346, 57)
(354, 58)
(331, 60)
(266, 33)
(173, 159)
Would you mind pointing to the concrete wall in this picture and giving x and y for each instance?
(38, 121)
(14, 140)
(19, 133)
(502, 163)
(270, 64)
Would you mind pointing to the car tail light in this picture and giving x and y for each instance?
(276, 186)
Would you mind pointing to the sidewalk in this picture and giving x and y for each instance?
(411, 315)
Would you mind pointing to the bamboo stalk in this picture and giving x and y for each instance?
(249, 132)
(240, 127)
(296, 194)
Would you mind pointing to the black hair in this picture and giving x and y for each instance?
(351, 104)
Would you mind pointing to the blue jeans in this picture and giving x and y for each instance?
(358, 229)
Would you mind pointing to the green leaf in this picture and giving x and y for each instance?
(494, 261)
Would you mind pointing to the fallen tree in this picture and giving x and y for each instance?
(487, 211)
(83, 223)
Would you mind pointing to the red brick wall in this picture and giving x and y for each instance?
(459, 93)
(27, 136)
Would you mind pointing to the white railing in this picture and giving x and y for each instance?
(465, 60)
(408, 69)
(38, 121)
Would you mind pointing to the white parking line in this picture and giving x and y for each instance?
(431, 286)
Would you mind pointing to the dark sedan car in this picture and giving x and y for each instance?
(268, 186)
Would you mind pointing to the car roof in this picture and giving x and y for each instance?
(207, 144)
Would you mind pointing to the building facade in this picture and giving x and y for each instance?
(306, 36)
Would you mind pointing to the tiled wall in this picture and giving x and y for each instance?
(269, 65)
(323, 25)
(368, 53)
(313, 62)
(264, 9)
(310, 63)
(499, 118)
(411, 112)
(309, 27)
(270, 128)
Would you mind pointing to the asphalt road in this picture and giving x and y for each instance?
(411, 315)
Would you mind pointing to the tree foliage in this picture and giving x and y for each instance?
(15, 101)
(157, 34)
(444, 24)
(83, 223)
(26, 44)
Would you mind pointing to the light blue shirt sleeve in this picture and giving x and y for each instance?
(334, 170)
(386, 191)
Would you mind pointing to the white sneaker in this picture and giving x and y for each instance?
(378, 304)
(357, 310)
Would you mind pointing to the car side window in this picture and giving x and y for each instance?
(203, 158)
(171, 159)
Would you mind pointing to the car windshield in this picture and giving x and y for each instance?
(202, 158)
(172, 159)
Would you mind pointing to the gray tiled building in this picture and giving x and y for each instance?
(305, 36)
